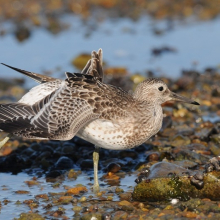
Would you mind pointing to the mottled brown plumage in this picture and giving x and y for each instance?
(83, 105)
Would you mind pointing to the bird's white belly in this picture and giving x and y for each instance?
(104, 134)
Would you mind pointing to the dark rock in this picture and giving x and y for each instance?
(86, 164)
(68, 148)
(113, 167)
(45, 154)
(36, 147)
(152, 156)
(63, 163)
(128, 153)
(197, 180)
(28, 151)
(54, 174)
(214, 164)
(143, 147)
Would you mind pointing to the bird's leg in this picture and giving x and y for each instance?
(95, 164)
(4, 141)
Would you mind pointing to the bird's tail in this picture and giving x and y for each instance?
(15, 116)
(35, 76)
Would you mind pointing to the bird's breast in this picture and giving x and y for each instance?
(106, 134)
(124, 134)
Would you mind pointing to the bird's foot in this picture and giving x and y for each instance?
(3, 142)
(96, 188)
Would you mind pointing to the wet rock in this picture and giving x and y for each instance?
(42, 196)
(160, 185)
(113, 160)
(152, 156)
(143, 147)
(197, 180)
(86, 164)
(32, 182)
(77, 190)
(216, 92)
(191, 155)
(77, 208)
(54, 174)
(44, 163)
(120, 215)
(95, 216)
(163, 169)
(49, 148)
(65, 199)
(215, 138)
(203, 133)
(215, 149)
(111, 178)
(213, 164)
(36, 147)
(83, 198)
(30, 216)
(182, 113)
(125, 196)
(168, 132)
(63, 163)
(128, 153)
(186, 164)
(45, 154)
(186, 131)
(14, 163)
(22, 192)
(68, 148)
(113, 167)
(166, 155)
(73, 174)
(126, 206)
(28, 151)
(179, 141)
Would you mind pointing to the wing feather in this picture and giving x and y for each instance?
(62, 114)
(35, 76)
(15, 116)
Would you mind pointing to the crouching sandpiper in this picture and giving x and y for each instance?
(84, 106)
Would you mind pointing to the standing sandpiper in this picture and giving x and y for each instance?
(84, 106)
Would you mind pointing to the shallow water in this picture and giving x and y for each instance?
(213, 118)
(11, 183)
(124, 42)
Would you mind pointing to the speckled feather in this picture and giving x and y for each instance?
(83, 105)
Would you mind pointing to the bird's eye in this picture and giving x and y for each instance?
(160, 88)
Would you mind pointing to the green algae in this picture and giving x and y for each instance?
(180, 187)
(30, 216)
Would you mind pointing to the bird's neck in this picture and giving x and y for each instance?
(152, 113)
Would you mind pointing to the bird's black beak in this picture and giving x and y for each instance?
(180, 98)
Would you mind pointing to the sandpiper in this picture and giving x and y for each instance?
(84, 106)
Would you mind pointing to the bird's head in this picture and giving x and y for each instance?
(156, 91)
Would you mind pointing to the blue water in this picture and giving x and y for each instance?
(11, 183)
(124, 42)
